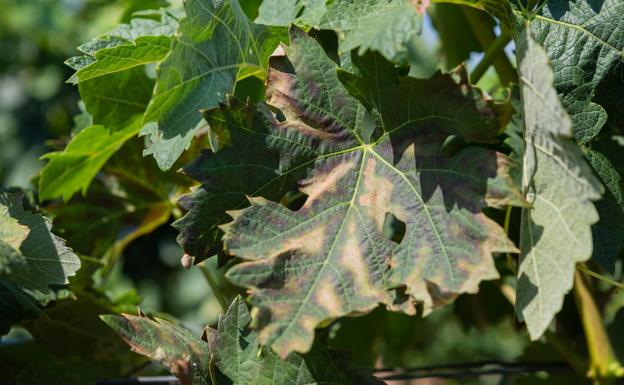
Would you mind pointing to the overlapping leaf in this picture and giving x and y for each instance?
(44, 257)
(31, 259)
(179, 350)
(556, 230)
(386, 26)
(584, 41)
(244, 165)
(111, 75)
(379, 155)
(239, 358)
(217, 44)
(73, 169)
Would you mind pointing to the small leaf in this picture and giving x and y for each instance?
(556, 230)
(239, 358)
(73, 169)
(47, 261)
(176, 348)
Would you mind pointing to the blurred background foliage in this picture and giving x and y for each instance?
(138, 261)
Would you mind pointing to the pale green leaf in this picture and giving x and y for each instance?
(73, 169)
(557, 181)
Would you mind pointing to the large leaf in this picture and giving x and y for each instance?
(556, 230)
(216, 45)
(179, 350)
(330, 257)
(239, 358)
(73, 169)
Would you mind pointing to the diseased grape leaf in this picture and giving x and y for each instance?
(176, 348)
(584, 40)
(216, 45)
(556, 230)
(330, 258)
(244, 133)
(240, 359)
(73, 169)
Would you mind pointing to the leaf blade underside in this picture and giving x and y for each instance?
(556, 230)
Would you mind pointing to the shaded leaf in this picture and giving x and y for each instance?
(556, 230)
(176, 348)
(500, 9)
(217, 44)
(47, 261)
(330, 258)
(240, 359)
(244, 133)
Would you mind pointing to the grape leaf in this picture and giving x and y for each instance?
(244, 133)
(556, 230)
(111, 76)
(500, 9)
(183, 353)
(73, 169)
(238, 357)
(584, 41)
(47, 261)
(140, 42)
(385, 26)
(217, 44)
(330, 258)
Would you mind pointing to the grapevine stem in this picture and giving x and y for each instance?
(604, 367)
(510, 261)
(214, 286)
(601, 277)
(494, 50)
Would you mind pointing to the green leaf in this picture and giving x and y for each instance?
(584, 41)
(386, 26)
(240, 359)
(141, 42)
(176, 348)
(556, 230)
(244, 133)
(500, 9)
(217, 44)
(73, 169)
(111, 76)
(47, 261)
(330, 258)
